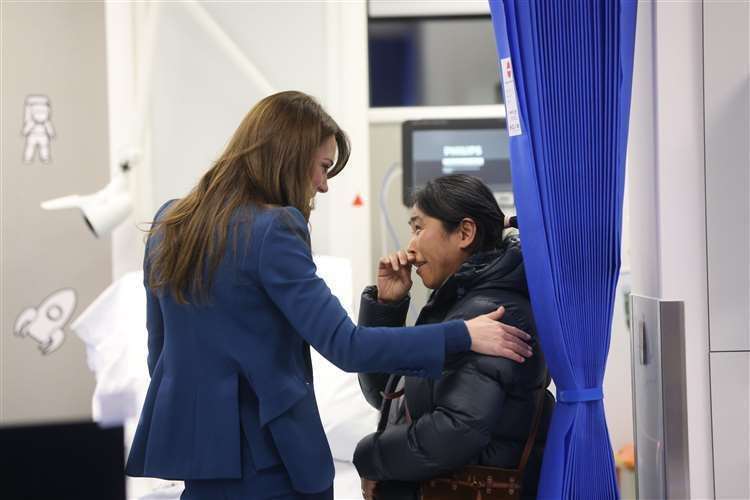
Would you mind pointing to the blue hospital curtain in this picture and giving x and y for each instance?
(566, 68)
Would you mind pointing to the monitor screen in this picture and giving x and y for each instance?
(433, 148)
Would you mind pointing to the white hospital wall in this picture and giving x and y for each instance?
(54, 49)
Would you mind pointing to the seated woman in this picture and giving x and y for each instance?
(480, 411)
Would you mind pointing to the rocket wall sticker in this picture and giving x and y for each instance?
(44, 324)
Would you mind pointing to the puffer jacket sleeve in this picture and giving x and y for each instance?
(467, 402)
(374, 313)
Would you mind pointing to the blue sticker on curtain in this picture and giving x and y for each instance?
(567, 72)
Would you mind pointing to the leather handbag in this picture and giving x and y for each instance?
(474, 482)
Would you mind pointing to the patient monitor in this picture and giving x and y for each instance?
(478, 147)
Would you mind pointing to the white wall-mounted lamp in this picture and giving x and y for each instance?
(105, 209)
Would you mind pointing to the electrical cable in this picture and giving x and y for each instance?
(385, 220)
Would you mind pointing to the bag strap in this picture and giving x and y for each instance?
(388, 394)
(533, 432)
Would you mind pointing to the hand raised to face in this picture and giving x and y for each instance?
(394, 276)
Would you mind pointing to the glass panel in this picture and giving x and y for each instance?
(432, 62)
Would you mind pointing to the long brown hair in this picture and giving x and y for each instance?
(267, 162)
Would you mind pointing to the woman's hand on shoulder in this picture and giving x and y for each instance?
(394, 276)
(490, 336)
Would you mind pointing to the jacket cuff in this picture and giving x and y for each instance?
(374, 313)
(457, 338)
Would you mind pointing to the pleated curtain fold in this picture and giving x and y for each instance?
(567, 70)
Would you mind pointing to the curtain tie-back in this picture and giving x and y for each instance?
(573, 396)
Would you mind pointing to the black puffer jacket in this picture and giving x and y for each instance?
(480, 410)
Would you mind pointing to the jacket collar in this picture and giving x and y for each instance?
(499, 268)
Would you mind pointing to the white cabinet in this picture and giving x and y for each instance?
(726, 45)
(730, 405)
(726, 42)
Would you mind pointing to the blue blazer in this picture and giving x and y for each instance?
(238, 366)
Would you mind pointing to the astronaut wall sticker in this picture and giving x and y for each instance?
(44, 324)
(37, 128)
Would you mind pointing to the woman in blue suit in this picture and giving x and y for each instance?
(234, 305)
